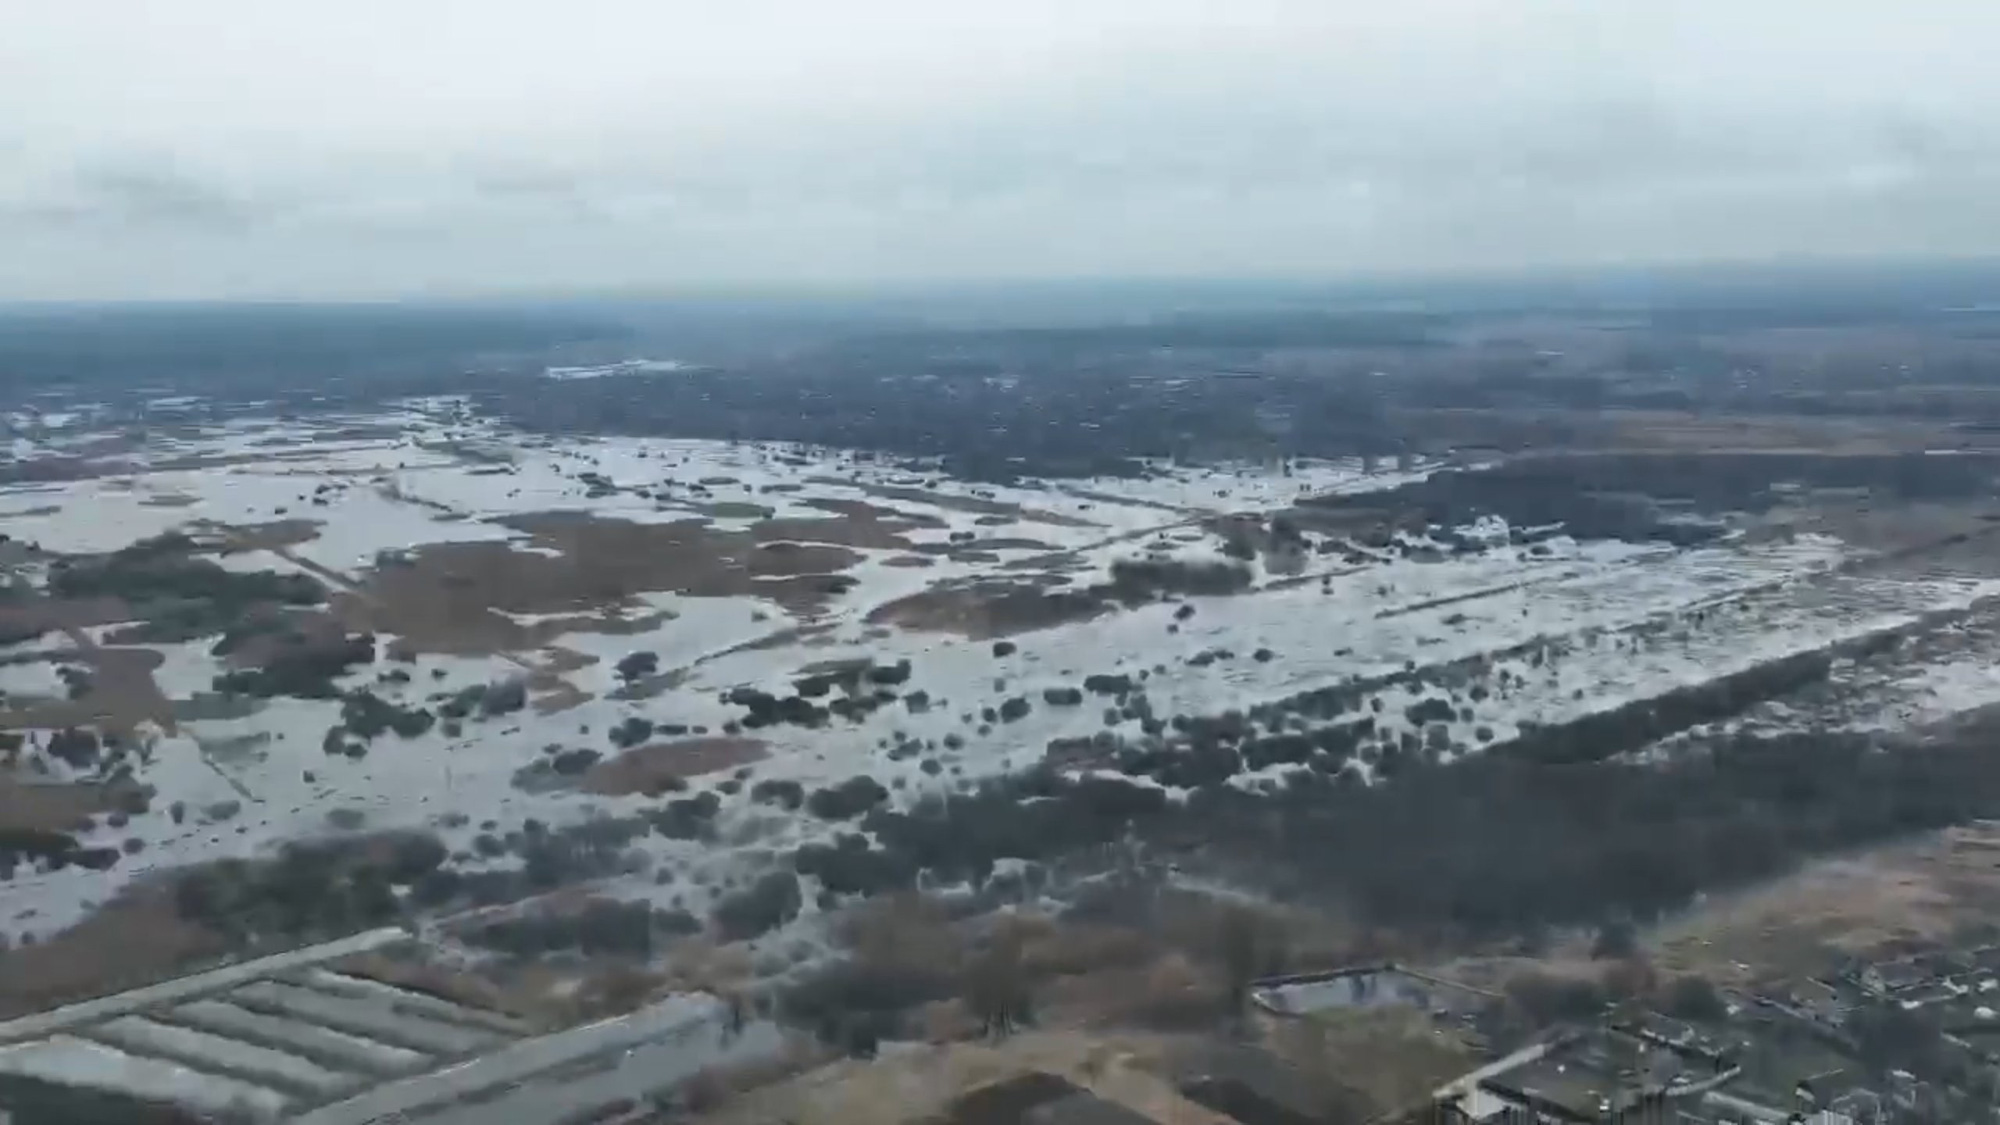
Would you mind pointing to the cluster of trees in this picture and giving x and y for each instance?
(1492, 845)
(848, 799)
(163, 569)
(305, 670)
(1632, 726)
(1048, 418)
(76, 747)
(1134, 581)
(366, 715)
(486, 700)
(310, 889)
(770, 902)
(1495, 844)
(602, 926)
(56, 850)
(1609, 495)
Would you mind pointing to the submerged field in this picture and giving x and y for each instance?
(661, 667)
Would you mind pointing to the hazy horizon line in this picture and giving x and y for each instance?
(1781, 267)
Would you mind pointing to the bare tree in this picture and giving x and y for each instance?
(996, 987)
(1242, 946)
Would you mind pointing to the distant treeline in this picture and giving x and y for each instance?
(1055, 424)
(1211, 331)
(1642, 496)
(183, 344)
(1492, 846)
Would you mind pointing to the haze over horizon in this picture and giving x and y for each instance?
(230, 149)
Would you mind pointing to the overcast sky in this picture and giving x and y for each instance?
(300, 148)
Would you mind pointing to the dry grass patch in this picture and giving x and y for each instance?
(135, 940)
(26, 806)
(122, 696)
(987, 609)
(1911, 894)
(954, 502)
(653, 768)
(929, 1084)
(444, 597)
(59, 614)
(1393, 1057)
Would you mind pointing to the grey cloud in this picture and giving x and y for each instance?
(525, 144)
(138, 195)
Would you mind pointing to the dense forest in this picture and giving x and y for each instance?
(207, 347)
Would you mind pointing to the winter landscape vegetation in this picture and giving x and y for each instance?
(973, 692)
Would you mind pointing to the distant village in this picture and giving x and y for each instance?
(1914, 1039)
(1895, 1042)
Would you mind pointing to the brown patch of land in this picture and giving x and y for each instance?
(444, 598)
(556, 660)
(647, 687)
(848, 531)
(1057, 560)
(121, 696)
(220, 460)
(1920, 537)
(984, 547)
(1870, 903)
(558, 697)
(1097, 497)
(105, 444)
(797, 634)
(135, 940)
(44, 510)
(26, 806)
(551, 693)
(61, 614)
(1393, 1057)
(954, 502)
(651, 768)
(931, 1083)
(910, 562)
(57, 469)
(987, 609)
(1915, 893)
(271, 535)
(732, 510)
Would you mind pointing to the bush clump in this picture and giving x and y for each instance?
(303, 671)
(847, 800)
(770, 902)
(788, 795)
(367, 715)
